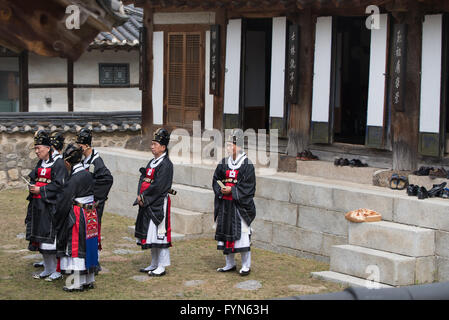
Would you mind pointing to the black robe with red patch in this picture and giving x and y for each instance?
(42, 207)
(153, 195)
(70, 220)
(243, 188)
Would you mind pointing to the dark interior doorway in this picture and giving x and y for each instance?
(351, 75)
(256, 70)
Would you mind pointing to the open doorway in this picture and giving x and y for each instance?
(256, 69)
(351, 77)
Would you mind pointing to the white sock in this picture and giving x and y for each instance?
(50, 263)
(230, 261)
(90, 278)
(246, 261)
(158, 270)
(154, 259)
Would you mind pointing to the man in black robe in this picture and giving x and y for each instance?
(47, 181)
(234, 208)
(77, 224)
(153, 229)
(101, 174)
(57, 144)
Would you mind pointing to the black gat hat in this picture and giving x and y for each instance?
(41, 137)
(84, 136)
(162, 136)
(73, 154)
(57, 140)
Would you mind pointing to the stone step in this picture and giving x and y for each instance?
(391, 268)
(327, 169)
(347, 280)
(193, 198)
(189, 222)
(393, 237)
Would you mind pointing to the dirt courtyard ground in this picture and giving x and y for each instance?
(191, 276)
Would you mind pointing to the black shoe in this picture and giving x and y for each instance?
(344, 162)
(412, 190)
(423, 171)
(226, 270)
(422, 193)
(38, 264)
(337, 162)
(144, 270)
(152, 274)
(436, 190)
(445, 193)
(88, 286)
(244, 273)
(69, 289)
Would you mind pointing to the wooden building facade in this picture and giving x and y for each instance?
(371, 74)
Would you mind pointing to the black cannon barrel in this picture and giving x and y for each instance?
(433, 291)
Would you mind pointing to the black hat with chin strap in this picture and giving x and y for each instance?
(57, 140)
(73, 154)
(161, 136)
(84, 136)
(41, 137)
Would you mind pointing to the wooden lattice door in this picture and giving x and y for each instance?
(184, 79)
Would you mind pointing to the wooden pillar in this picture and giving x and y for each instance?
(300, 114)
(405, 124)
(23, 63)
(70, 84)
(220, 18)
(147, 101)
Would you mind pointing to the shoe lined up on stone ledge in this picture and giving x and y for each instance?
(423, 171)
(438, 190)
(353, 163)
(306, 155)
(398, 182)
(438, 173)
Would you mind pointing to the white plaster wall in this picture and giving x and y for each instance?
(232, 71)
(184, 18)
(158, 77)
(107, 99)
(59, 100)
(46, 69)
(278, 67)
(86, 70)
(378, 61)
(208, 98)
(322, 70)
(429, 120)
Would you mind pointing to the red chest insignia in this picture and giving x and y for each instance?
(147, 180)
(231, 179)
(43, 178)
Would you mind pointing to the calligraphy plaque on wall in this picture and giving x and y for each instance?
(142, 58)
(292, 63)
(399, 47)
(214, 62)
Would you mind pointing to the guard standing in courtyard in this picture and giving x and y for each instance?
(234, 185)
(101, 174)
(153, 228)
(47, 181)
(77, 224)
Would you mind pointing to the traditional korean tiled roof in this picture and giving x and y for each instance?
(125, 36)
(69, 121)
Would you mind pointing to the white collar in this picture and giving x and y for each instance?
(155, 162)
(77, 168)
(235, 164)
(47, 163)
(87, 160)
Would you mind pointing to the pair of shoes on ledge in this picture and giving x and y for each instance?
(423, 171)
(353, 163)
(398, 182)
(438, 190)
(306, 155)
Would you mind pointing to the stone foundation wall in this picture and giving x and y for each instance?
(17, 156)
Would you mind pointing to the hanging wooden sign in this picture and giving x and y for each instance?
(214, 62)
(399, 66)
(292, 63)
